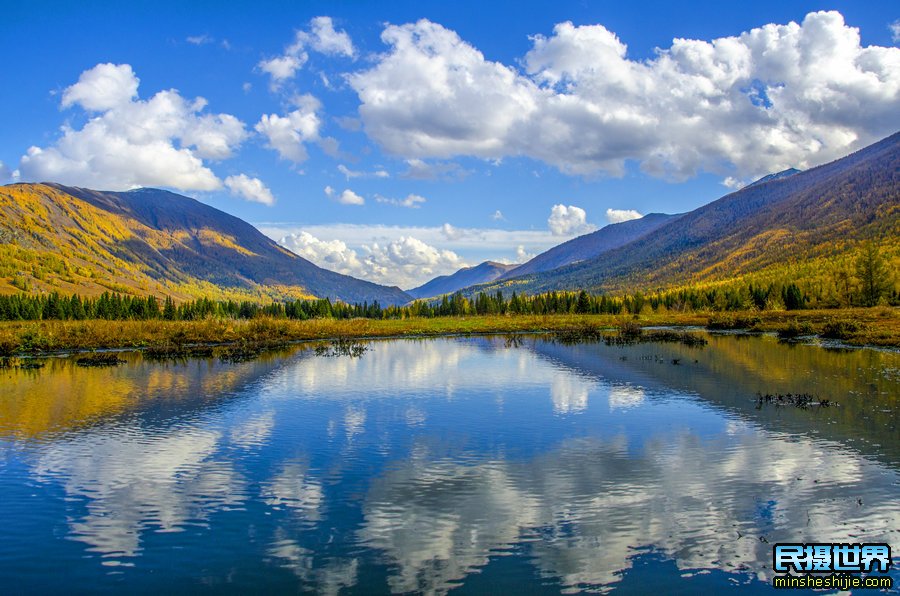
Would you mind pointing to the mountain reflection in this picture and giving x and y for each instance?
(422, 463)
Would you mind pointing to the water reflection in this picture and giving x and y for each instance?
(419, 466)
(131, 479)
(583, 509)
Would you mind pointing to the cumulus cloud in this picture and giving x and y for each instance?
(289, 134)
(325, 39)
(568, 221)
(348, 197)
(619, 215)
(321, 37)
(129, 142)
(498, 216)
(5, 174)
(411, 201)
(251, 189)
(895, 31)
(280, 68)
(103, 87)
(406, 261)
(773, 97)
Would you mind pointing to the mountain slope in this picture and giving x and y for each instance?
(54, 237)
(468, 276)
(807, 217)
(592, 245)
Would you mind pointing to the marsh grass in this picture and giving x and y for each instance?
(875, 326)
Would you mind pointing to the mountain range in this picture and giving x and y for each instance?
(787, 224)
(75, 240)
(467, 276)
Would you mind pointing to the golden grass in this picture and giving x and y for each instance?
(874, 326)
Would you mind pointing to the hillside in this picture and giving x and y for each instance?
(592, 245)
(468, 276)
(807, 225)
(75, 240)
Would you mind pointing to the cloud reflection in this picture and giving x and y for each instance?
(582, 510)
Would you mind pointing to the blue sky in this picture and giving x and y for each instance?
(398, 141)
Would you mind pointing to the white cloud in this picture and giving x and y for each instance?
(733, 183)
(322, 38)
(104, 87)
(348, 197)
(411, 201)
(288, 134)
(129, 142)
(774, 97)
(522, 255)
(895, 31)
(452, 233)
(199, 40)
(568, 221)
(5, 174)
(619, 215)
(498, 216)
(281, 68)
(325, 39)
(329, 191)
(348, 173)
(405, 261)
(472, 245)
(251, 189)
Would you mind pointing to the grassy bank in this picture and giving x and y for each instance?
(875, 326)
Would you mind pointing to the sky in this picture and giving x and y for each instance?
(403, 140)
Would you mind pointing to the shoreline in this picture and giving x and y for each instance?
(859, 327)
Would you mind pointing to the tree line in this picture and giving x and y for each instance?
(115, 306)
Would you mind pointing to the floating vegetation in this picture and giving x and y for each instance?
(798, 400)
(342, 347)
(835, 329)
(657, 336)
(792, 330)
(247, 350)
(727, 322)
(100, 359)
(170, 351)
(584, 333)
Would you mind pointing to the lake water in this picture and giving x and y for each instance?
(477, 465)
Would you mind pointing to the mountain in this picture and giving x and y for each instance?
(784, 227)
(468, 276)
(776, 176)
(592, 245)
(76, 240)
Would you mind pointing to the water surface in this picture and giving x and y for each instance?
(474, 465)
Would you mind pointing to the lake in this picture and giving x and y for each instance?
(472, 464)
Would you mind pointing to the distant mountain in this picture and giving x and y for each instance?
(467, 276)
(780, 225)
(592, 245)
(76, 240)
